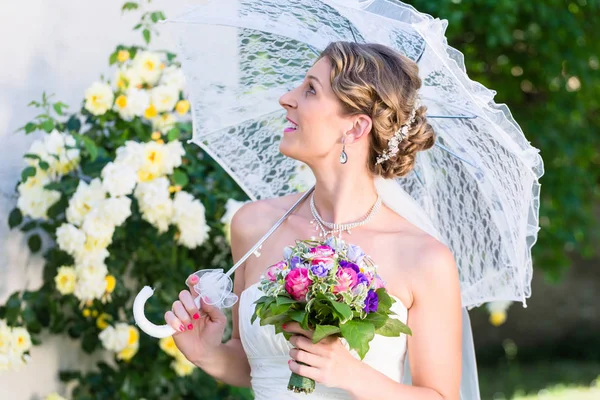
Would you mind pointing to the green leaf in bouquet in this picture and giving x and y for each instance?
(272, 319)
(301, 317)
(27, 173)
(322, 331)
(47, 125)
(34, 243)
(377, 319)
(342, 310)
(285, 300)
(15, 218)
(358, 334)
(44, 165)
(384, 300)
(393, 328)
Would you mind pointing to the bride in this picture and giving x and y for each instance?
(353, 100)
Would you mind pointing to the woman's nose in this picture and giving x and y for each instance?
(287, 100)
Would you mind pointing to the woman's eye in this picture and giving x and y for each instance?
(312, 89)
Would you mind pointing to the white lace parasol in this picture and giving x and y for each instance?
(479, 184)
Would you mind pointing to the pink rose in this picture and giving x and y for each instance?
(274, 270)
(321, 252)
(346, 279)
(327, 262)
(297, 283)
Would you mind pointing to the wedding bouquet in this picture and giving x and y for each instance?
(332, 288)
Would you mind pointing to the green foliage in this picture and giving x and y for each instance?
(542, 59)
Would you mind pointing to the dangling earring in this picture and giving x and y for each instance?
(343, 156)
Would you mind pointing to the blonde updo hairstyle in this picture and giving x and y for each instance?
(375, 80)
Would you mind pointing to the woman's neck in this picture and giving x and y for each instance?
(344, 197)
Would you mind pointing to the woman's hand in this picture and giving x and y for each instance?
(199, 332)
(329, 362)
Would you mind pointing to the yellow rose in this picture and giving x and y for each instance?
(150, 112)
(121, 101)
(156, 135)
(134, 336)
(111, 282)
(99, 98)
(122, 56)
(103, 320)
(182, 367)
(86, 312)
(65, 280)
(498, 318)
(54, 396)
(182, 107)
(128, 352)
(168, 346)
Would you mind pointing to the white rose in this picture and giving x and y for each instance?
(131, 155)
(116, 210)
(147, 66)
(155, 202)
(164, 122)
(164, 98)
(85, 198)
(173, 76)
(91, 281)
(99, 98)
(12, 360)
(156, 160)
(69, 238)
(127, 78)
(39, 149)
(93, 252)
(35, 201)
(131, 104)
(97, 226)
(21, 340)
(5, 338)
(115, 338)
(176, 152)
(62, 156)
(189, 216)
(118, 179)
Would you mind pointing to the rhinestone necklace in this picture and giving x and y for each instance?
(333, 228)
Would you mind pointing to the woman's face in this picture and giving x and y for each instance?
(316, 123)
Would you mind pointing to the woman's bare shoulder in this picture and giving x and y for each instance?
(255, 218)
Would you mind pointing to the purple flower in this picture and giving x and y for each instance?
(355, 253)
(348, 264)
(295, 262)
(362, 278)
(319, 270)
(371, 302)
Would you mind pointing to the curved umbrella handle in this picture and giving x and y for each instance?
(212, 283)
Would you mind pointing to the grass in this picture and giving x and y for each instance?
(552, 380)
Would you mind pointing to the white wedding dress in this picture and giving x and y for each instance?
(268, 354)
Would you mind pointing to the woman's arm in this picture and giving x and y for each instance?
(229, 362)
(435, 347)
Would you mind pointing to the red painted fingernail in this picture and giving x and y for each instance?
(283, 326)
(289, 362)
(190, 327)
(196, 316)
(181, 328)
(194, 279)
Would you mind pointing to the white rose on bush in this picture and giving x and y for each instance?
(96, 225)
(147, 65)
(130, 154)
(164, 98)
(189, 216)
(85, 199)
(155, 202)
(164, 123)
(35, 201)
(115, 338)
(99, 98)
(62, 153)
(116, 210)
(132, 103)
(118, 179)
(91, 280)
(173, 76)
(70, 238)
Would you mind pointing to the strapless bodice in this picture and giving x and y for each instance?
(268, 354)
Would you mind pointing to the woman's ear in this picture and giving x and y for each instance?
(362, 126)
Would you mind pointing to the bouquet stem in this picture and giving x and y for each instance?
(301, 384)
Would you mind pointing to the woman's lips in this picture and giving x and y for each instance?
(286, 130)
